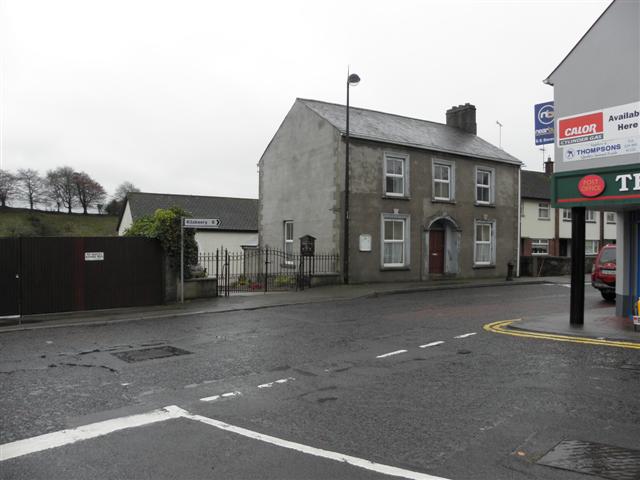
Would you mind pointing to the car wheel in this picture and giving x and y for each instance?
(609, 296)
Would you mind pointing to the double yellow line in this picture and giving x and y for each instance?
(502, 328)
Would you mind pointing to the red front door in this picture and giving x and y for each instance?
(436, 251)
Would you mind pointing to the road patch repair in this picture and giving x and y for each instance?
(502, 327)
(94, 430)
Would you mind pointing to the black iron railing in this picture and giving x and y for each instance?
(267, 269)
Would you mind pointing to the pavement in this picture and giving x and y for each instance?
(597, 324)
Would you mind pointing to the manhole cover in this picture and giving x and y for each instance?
(598, 459)
(142, 354)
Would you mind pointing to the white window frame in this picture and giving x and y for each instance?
(613, 214)
(451, 182)
(404, 158)
(566, 214)
(406, 219)
(594, 247)
(287, 241)
(542, 206)
(540, 243)
(490, 187)
(590, 216)
(492, 243)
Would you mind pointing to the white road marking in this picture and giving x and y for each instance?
(210, 399)
(391, 353)
(85, 432)
(271, 384)
(338, 457)
(432, 344)
(465, 335)
(93, 430)
(224, 395)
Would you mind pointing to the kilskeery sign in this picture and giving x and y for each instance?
(597, 187)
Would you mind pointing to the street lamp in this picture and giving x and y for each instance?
(352, 79)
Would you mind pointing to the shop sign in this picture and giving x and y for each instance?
(603, 133)
(543, 119)
(598, 187)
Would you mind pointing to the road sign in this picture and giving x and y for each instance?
(202, 222)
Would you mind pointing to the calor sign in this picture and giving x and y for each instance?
(584, 128)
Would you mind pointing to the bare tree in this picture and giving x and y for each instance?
(62, 188)
(115, 206)
(30, 185)
(7, 186)
(88, 190)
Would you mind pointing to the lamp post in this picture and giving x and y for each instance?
(352, 79)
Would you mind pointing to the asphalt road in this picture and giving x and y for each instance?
(363, 378)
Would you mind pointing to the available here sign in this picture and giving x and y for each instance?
(603, 133)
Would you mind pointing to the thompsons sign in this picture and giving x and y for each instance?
(602, 133)
(597, 187)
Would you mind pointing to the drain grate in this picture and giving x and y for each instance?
(605, 461)
(142, 354)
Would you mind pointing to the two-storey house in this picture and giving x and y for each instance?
(427, 200)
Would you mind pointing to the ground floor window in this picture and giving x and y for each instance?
(540, 247)
(484, 242)
(591, 247)
(288, 240)
(395, 240)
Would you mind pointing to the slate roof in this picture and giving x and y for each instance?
(236, 214)
(535, 185)
(406, 131)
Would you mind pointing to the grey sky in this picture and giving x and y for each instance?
(184, 96)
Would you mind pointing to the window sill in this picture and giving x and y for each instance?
(436, 200)
(481, 267)
(393, 197)
(566, 220)
(589, 221)
(544, 219)
(387, 269)
(480, 204)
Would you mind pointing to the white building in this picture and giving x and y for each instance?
(238, 217)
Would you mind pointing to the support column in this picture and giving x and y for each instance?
(577, 266)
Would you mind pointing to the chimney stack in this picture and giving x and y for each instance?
(463, 117)
(548, 166)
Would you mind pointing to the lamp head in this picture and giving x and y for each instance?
(353, 79)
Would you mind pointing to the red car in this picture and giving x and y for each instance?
(603, 275)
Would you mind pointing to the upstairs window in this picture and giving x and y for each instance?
(566, 214)
(395, 175)
(611, 217)
(484, 186)
(443, 180)
(590, 216)
(543, 211)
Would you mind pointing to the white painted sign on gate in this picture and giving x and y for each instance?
(93, 256)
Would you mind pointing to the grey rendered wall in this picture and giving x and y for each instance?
(367, 203)
(298, 182)
(603, 71)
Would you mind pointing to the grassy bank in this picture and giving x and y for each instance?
(36, 223)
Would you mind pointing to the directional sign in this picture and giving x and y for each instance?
(202, 222)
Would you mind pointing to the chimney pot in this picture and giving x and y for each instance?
(463, 117)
